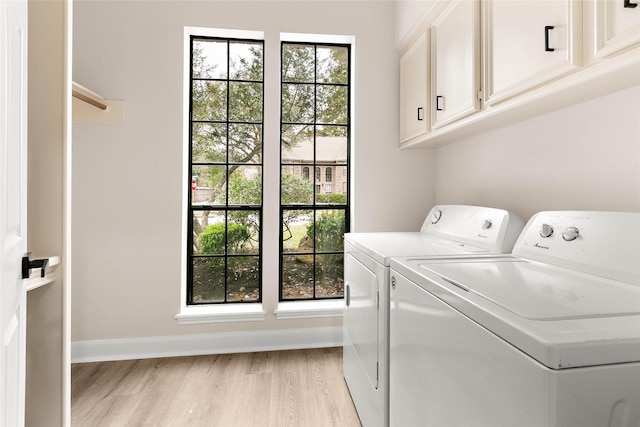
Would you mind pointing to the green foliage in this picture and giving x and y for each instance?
(338, 199)
(212, 239)
(211, 141)
(329, 231)
(246, 191)
(298, 102)
(296, 190)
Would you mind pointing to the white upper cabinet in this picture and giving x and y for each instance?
(414, 105)
(528, 43)
(472, 65)
(455, 62)
(617, 24)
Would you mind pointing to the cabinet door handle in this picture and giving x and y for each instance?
(546, 38)
(439, 105)
(627, 3)
(420, 115)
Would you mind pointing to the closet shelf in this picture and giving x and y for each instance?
(89, 107)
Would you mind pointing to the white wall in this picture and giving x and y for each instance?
(586, 157)
(408, 14)
(127, 178)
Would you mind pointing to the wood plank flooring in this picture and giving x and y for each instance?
(301, 388)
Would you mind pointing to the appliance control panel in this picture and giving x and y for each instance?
(603, 243)
(489, 228)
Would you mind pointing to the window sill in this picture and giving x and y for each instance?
(309, 309)
(191, 315)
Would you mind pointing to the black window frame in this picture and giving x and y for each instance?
(317, 172)
(226, 208)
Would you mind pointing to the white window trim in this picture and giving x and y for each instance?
(220, 313)
(212, 313)
(309, 309)
(249, 312)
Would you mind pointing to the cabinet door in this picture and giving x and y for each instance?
(455, 62)
(413, 90)
(617, 26)
(528, 43)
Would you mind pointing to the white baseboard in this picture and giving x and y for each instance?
(191, 345)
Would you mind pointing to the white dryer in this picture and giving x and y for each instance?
(549, 336)
(448, 231)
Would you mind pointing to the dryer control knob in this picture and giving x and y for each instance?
(571, 233)
(435, 216)
(486, 224)
(546, 231)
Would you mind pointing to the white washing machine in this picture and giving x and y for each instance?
(448, 231)
(549, 336)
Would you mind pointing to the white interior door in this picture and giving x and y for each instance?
(13, 212)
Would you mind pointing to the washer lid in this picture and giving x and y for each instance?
(381, 246)
(557, 316)
(538, 292)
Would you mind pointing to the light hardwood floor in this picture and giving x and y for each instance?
(301, 388)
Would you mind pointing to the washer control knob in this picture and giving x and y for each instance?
(571, 233)
(435, 216)
(546, 231)
(486, 224)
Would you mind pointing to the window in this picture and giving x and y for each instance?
(225, 170)
(315, 130)
(305, 173)
(327, 176)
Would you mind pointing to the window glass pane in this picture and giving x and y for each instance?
(209, 228)
(245, 143)
(297, 143)
(297, 63)
(297, 277)
(209, 100)
(333, 65)
(245, 61)
(331, 105)
(314, 152)
(329, 275)
(243, 278)
(295, 189)
(245, 185)
(211, 185)
(243, 234)
(331, 149)
(209, 59)
(329, 230)
(333, 131)
(245, 102)
(297, 230)
(209, 143)
(208, 280)
(226, 170)
(297, 103)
